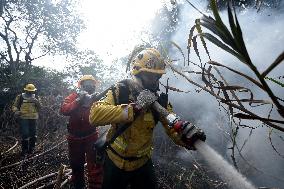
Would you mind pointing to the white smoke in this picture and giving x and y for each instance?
(264, 37)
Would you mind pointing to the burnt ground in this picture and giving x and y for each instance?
(43, 166)
(41, 169)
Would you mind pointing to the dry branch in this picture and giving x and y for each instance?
(225, 101)
(37, 180)
(10, 149)
(59, 177)
(38, 155)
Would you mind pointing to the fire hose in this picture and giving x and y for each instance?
(227, 172)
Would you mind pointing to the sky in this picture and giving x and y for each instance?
(115, 27)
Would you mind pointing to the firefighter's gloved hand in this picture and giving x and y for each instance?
(190, 134)
(81, 95)
(145, 99)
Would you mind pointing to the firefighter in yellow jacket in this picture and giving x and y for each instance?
(128, 159)
(26, 107)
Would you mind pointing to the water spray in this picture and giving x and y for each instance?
(226, 172)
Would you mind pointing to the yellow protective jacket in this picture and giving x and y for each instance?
(28, 109)
(136, 141)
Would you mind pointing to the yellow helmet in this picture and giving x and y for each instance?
(87, 77)
(30, 87)
(148, 60)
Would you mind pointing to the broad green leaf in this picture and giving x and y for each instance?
(233, 28)
(212, 25)
(219, 22)
(209, 25)
(242, 43)
(220, 44)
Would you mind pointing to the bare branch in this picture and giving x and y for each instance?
(37, 180)
(237, 72)
(3, 56)
(31, 44)
(59, 177)
(14, 41)
(13, 147)
(270, 140)
(20, 162)
(230, 104)
(46, 53)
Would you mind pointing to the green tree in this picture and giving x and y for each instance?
(47, 81)
(32, 29)
(29, 30)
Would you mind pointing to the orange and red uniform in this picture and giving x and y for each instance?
(81, 137)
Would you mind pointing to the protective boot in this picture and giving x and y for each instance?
(25, 147)
(31, 145)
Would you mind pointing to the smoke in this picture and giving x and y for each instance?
(264, 37)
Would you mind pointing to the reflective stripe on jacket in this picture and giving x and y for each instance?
(136, 141)
(28, 109)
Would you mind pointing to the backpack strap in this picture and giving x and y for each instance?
(121, 94)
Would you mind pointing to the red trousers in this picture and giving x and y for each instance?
(81, 151)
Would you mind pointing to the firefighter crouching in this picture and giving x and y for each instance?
(81, 135)
(128, 157)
